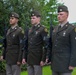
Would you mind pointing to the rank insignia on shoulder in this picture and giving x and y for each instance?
(45, 30)
(36, 32)
(38, 25)
(13, 35)
(23, 31)
(15, 28)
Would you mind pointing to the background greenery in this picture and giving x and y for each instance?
(47, 71)
(47, 8)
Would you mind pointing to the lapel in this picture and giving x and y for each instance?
(63, 28)
(12, 30)
(33, 29)
(56, 31)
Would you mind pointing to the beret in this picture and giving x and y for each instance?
(62, 8)
(14, 14)
(35, 13)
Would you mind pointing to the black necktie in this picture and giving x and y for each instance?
(11, 29)
(59, 27)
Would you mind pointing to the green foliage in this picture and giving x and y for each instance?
(2, 64)
(23, 67)
(47, 71)
(23, 8)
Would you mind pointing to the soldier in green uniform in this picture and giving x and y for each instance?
(14, 38)
(37, 37)
(63, 58)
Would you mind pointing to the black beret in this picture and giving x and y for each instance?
(35, 13)
(62, 8)
(14, 14)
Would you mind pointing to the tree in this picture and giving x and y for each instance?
(47, 8)
(23, 8)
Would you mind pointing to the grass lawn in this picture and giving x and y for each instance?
(47, 71)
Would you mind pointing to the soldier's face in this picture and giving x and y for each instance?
(62, 16)
(35, 20)
(13, 20)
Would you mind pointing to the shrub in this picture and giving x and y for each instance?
(23, 67)
(2, 64)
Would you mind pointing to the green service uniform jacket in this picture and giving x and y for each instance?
(14, 47)
(36, 41)
(63, 48)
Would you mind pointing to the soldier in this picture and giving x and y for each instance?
(63, 58)
(36, 41)
(14, 38)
